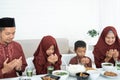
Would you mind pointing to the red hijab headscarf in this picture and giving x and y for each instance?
(40, 56)
(101, 47)
(45, 43)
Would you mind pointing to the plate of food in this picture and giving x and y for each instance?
(109, 74)
(50, 77)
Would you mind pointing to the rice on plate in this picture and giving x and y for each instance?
(73, 69)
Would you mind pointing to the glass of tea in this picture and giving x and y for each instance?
(29, 72)
(118, 65)
(50, 69)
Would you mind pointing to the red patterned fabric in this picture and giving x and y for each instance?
(11, 51)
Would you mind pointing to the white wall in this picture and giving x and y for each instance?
(109, 14)
(60, 18)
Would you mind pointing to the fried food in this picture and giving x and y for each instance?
(89, 68)
(47, 78)
(108, 73)
(83, 75)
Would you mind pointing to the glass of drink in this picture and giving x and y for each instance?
(29, 72)
(50, 69)
(118, 65)
(63, 67)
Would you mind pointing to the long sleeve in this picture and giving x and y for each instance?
(41, 55)
(18, 53)
(40, 68)
(99, 58)
(57, 64)
(24, 63)
(11, 51)
(90, 63)
(1, 75)
(76, 60)
(73, 60)
(1, 64)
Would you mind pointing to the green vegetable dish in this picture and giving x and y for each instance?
(60, 73)
(107, 64)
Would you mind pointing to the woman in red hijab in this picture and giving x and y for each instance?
(47, 54)
(107, 48)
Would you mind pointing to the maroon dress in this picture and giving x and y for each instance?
(11, 51)
(77, 60)
(40, 56)
(101, 47)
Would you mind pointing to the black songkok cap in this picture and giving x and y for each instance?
(7, 22)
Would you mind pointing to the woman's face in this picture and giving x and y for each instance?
(110, 38)
(50, 50)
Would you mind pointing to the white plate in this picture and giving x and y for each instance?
(102, 73)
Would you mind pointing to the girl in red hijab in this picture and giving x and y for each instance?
(107, 48)
(47, 54)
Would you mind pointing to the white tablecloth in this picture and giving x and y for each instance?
(69, 78)
(35, 77)
(38, 77)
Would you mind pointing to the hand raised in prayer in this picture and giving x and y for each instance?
(116, 54)
(85, 60)
(19, 64)
(50, 58)
(7, 67)
(110, 53)
(53, 58)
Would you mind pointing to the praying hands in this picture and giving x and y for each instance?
(53, 58)
(85, 61)
(112, 53)
(14, 64)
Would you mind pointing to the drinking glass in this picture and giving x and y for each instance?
(63, 67)
(50, 69)
(118, 65)
(29, 72)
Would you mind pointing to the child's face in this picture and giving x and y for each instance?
(81, 51)
(50, 50)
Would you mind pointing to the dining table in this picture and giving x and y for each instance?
(38, 77)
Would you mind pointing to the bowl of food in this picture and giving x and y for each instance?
(61, 73)
(73, 69)
(82, 76)
(107, 66)
(94, 74)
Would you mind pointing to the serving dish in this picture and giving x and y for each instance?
(82, 76)
(73, 69)
(109, 76)
(107, 66)
(49, 77)
(94, 74)
(61, 73)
